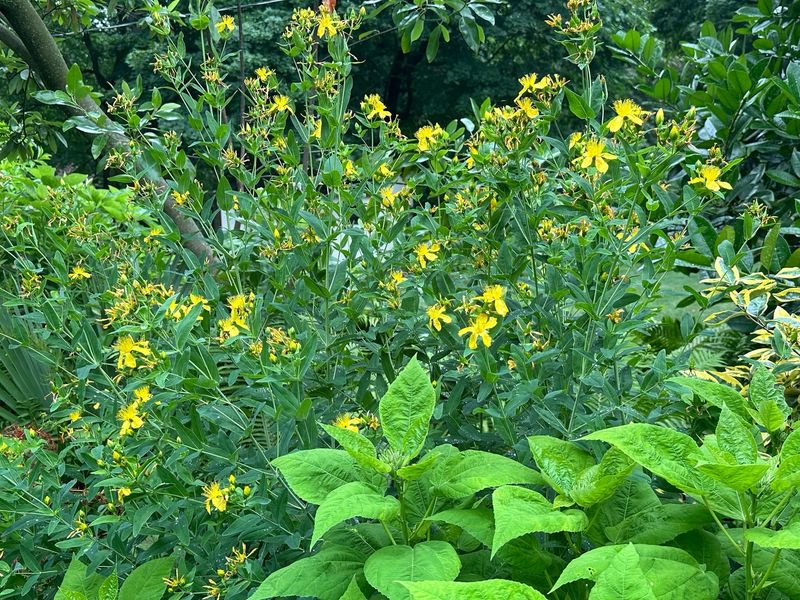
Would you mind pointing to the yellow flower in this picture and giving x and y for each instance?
(626, 110)
(710, 178)
(595, 153)
(350, 169)
(74, 415)
(479, 328)
(374, 107)
(385, 171)
(527, 108)
(397, 277)
(263, 73)
(615, 316)
(532, 83)
(280, 104)
(228, 328)
(326, 25)
(130, 417)
(317, 131)
(79, 273)
(142, 394)
(387, 196)
(216, 497)
(437, 316)
(427, 253)
(493, 295)
(123, 493)
(348, 421)
(226, 23)
(126, 347)
(427, 137)
(180, 197)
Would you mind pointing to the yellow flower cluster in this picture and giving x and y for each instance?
(240, 307)
(429, 136)
(493, 301)
(133, 354)
(353, 421)
(178, 310)
(130, 416)
(427, 252)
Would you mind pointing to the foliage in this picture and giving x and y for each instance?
(423, 364)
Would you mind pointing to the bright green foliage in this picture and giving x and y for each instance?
(145, 582)
(492, 589)
(389, 567)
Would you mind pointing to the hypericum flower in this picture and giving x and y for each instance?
(397, 277)
(710, 177)
(479, 329)
(437, 316)
(326, 26)
(385, 171)
(142, 394)
(348, 421)
(595, 153)
(123, 493)
(427, 253)
(79, 272)
(388, 196)
(427, 136)
(626, 110)
(215, 496)
(126, 347)
(180, 197)
(74, 415)
(263, 73)
(615, 316)
(229, 328)
(374, 107)
(527, 108)
(493, 296)
(531, 83)
(280, 104)
(226, 23)
(130, 417)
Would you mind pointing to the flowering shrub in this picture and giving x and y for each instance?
(519, 263)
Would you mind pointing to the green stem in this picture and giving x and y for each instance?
(721, 526)
(768, 572)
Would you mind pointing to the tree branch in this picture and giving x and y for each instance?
(10, 39)
(46, 59)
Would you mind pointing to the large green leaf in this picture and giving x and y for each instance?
(715, 394)
(406, 410)
(671, 572)
(477, 522)
(788, 537)
(313, 474)
(734, 436)
(560, 462)
(600, 481)
(518, 511)
(623, 579)
(658, 524)
(325, 575)
(468, 472)
(78, 581)
(357, 446)
(355, 499)
(491, 589)
(665, 452)
(353, 591)
(768, 398)
(389, 566)
(736, 477)
(146, 582)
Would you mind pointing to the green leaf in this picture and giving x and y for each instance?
(325, 575)
(763, 388)
(406, 410)
(387, 567)
(357, 446)
(491, 589)
(793, 80)
(788, 474)
(353, 591)
(737, 477)
(600, 481)
(477, 522)
(671, 573)
(355, 499)
(146, 582)
(658, 524)
(578, 106)
(77, 580)
(788, 537)
(715, 394)
(518, 511)
(468, 472)
(560, 462)
(313, 474)
(665, 452)
(108, 591)
(623, 579)
(770, 415)
(734, 436)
